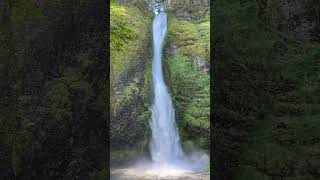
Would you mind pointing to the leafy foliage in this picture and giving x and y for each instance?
(52, 79)
(120, 32)
(186, 49)
(264, 98)
(129, 29)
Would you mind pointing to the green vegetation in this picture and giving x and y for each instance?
(52, 89)
(130, 80)
(191, 38)
(190, 90)
(266, 98)
(129, 31)
(286, 144)
(146, 96)
(283, 147)
(186, 72)
(128, 95)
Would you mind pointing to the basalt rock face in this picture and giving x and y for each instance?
(125, 129)
(190, 9)
(128, 131)
(302, 18)
(131, 75)
(186, 69)
(128, 92)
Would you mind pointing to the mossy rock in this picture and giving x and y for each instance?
(190, 93)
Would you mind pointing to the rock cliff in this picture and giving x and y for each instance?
(190, 9)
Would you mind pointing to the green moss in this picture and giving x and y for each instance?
(188, 86)
(120, 32)
(190, 92)
(146, 92)
(130, 100)
(125, 97)
(192, 38)
(145, 119)
(129, 29)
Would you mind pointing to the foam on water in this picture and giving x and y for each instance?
(165, 147)
(165, 143)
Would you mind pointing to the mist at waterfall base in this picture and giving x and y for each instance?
(167, 156)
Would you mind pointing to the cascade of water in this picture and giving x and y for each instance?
(156, 6)
(165, 143)
(168, 159)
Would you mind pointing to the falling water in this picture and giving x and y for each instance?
(168, 159)
(165, 143)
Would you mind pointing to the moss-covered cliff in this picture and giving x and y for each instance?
(130, 55)
(190, 9)
(186, 69)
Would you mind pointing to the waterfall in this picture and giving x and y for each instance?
(165, 143)
(168, 161)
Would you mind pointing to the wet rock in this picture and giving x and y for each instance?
(200, 64)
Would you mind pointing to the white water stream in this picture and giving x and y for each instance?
(168, 159)
(165, 143)
(165, 147)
